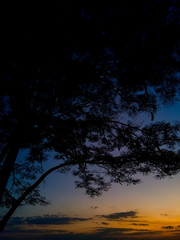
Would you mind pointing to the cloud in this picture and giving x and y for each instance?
(167, 227)
(117, 233)
(93, 207)
(84, 237)
(100, 233)
(140, 224)
(114, 231)
(16, 221)
(120, 215)
(164, 214)
(144, 233)
(134, 220)
(46, 220)
(105, 223)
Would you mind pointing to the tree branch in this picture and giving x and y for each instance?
(16, 204)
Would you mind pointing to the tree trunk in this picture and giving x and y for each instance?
(17, 203)
(7, 168)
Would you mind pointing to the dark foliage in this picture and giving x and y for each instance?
(70, 73)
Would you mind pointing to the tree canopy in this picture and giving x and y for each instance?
(70, 73)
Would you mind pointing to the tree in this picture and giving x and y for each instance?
(69, 97)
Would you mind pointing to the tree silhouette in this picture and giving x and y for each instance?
(69, 73)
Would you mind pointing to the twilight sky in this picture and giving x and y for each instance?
(149, 210)
(66, 40)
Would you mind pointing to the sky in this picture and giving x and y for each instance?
(149, 210)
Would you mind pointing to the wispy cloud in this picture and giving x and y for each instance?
(140, 224)
(99, 233)
(120, 215)
(167, 227)
(46, 219)
(164, 214)
(93, 207)
(123, 232)
(108, 231)
(105, 223)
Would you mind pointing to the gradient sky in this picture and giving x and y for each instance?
(149, 210)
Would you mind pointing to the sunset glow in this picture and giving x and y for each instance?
(90, 120)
